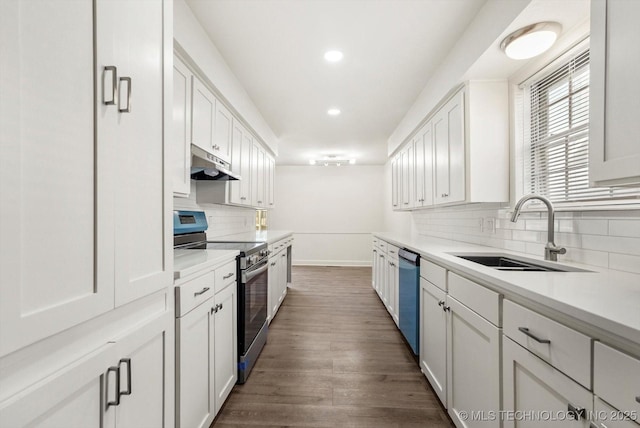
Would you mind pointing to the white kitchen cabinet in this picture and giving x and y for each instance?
(270, 177)
(223, 132)
(533, 387)
(614, 152)
(76, 142)
(423, 148)
(203, 115)
(277, 280)
(433, 337)
(383, 275)
(395, 182)
(181, 128)
(258, 175)
(605, 416)
(449, 148)
(393, 273)
(239, 191)
(374, 268)
(87, 392)
(407, 175)
(206, 347)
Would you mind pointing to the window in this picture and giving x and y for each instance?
(556, 140)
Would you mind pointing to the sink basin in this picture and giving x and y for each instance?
(510, 263)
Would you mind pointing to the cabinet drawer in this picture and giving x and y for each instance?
(392, 251)
(433, 273)
(605, 416)
(194, 292)
(225, 274)
(562, 347)
(382, 245)
(616, 378)
(480, 299)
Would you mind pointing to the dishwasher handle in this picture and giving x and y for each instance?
(409, 256)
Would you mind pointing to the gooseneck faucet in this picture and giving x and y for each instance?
(551, 251)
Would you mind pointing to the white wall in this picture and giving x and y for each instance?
(192, 38)
(331, 210)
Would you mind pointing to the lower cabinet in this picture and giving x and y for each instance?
(277, 288)
(433, 337)
(393, 276)
(206, 360)
(535, 389)
(121, 384)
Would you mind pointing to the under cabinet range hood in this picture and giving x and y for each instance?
(206, 166)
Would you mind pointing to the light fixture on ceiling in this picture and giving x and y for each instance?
(332, 160)
(333, 56)
(333, 111)
(531, 40)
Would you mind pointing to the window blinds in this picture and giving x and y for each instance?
(557, 146)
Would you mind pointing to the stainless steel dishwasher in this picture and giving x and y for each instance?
(409, 298)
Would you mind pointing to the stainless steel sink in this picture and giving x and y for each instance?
(510, 263)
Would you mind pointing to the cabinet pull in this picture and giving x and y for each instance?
(114, 85)
(204, 290)
(126, 361)
(116, 402)
(127, 109)
(273, 264)
(576, 412)
(259, 202)
(441, 303)
(220, 306)
(446, 308)
(243, 198)
(214, 309)
(227, 276)
(526, 331)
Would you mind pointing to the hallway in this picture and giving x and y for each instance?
(334, 358)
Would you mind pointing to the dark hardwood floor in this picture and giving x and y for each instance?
(334, 358)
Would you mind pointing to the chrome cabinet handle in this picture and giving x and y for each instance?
(441, 303)
(577, 412)
(127, 109)
(243, 198)
(526, 331)
(126, 361)
(446, 308)
(259, 202)
(214, 309)
(220, 306)
(406, 203)
(204, 290)
(445, 195)
(114, 85)
(229, 275)
(116, 402)
(273, 264)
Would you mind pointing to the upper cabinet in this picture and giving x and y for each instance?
(258, 178)
(211, 122)
(242, 143)
(614, 152)
(223, 132)
(181, 128)
(461, 154)
(83, 219)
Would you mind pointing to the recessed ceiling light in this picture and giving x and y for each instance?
(333, 111)
(531, 40)
(333, 56)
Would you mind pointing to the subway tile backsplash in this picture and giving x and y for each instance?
(609, 239)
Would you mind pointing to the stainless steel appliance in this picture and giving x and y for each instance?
(252, 272)
(409, 297)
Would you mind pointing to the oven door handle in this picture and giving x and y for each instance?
(248, 276)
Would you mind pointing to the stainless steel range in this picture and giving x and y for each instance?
(252, 271)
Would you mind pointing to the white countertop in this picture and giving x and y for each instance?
(268, 236)
(606, 299)
(188, 262)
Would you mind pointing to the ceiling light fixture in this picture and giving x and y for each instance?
(333, 56)
(332, 160)
(333, 111)
(531, 40)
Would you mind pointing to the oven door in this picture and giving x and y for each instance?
(252, 301)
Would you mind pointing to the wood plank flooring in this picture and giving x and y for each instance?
(334, 358)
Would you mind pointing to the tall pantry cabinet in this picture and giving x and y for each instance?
(85, 255)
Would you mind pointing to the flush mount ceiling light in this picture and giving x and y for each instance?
(333, 111)
(332, 160)
(333, 56)
(531, 40)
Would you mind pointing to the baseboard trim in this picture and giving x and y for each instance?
(338, 263)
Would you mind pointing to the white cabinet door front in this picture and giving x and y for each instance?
(223, 132)
(202, 115)
(56, 176)
(181, 132)
(225, 344)
(533, 387)
(433, 337)
(449, 145)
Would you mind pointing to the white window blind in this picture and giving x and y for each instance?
(557, 140)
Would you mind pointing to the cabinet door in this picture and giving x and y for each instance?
(222, 132)
(392, 280)
(235, 186)
(395, 184)
(257, 176)
(70, 398)
(283, 275)
(56, 181)
(181, 131)
(225, 347)
(203, 115)
(272, 292)
(195, 404)
(145, 377)
(246, 170)
(449, 146)
(374, 269)
(423, 147)
(271, 176)
(407, 176)
(433, 337)
(143, 199)
(614, 153)
(531, 385)
(473, 365)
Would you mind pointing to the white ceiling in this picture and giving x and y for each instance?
(275, 48)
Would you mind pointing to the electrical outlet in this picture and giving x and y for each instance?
(489, 225)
